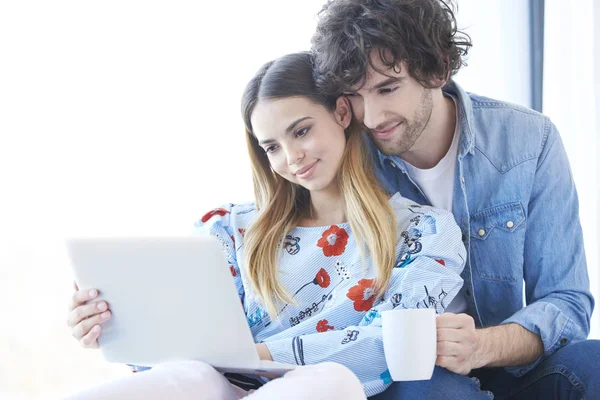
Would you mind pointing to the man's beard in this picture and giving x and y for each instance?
(412, 131)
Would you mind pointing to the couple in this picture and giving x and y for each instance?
(324, 232)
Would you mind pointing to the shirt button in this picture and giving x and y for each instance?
(510, 224)
(481, 232)
(391, 163)
(563, 341)
(462, 179)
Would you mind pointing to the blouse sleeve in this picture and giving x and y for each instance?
(218, 223)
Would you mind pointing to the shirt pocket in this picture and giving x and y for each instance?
(497, 239)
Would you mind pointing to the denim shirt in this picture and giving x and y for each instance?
(516, 204)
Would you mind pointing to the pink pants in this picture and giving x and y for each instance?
(182, 380)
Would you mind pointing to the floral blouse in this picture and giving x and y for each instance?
(334, 316)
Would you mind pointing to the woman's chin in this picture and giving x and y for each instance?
(316, 185)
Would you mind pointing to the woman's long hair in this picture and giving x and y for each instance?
(281, 204)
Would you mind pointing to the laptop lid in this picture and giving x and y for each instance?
(171, 299)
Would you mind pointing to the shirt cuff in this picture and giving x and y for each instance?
(288, 350)
(551, 324)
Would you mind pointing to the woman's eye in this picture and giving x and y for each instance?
(270, 149)
(388, 90)
(302, 132)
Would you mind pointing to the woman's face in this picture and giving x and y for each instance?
(303, 140)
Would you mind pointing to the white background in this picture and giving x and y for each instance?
(122, 118)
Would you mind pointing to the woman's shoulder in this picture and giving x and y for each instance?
(234, 215)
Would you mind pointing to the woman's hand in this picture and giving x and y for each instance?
(263, 352)
(85, 319)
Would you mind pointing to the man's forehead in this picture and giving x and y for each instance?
(379, 70)
(375, 77)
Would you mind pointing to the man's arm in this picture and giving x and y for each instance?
(507, 346)
(462, 348)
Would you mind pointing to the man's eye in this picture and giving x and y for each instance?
(302, 132)
(388, 90)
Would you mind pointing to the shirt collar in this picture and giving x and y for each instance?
(464, 116)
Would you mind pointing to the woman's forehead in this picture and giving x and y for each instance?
(271, 116)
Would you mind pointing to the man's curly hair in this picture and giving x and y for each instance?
(422, 33)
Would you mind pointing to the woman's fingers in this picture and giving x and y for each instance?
(81, 297)
(90, 340)
(86, 311)
(85, 317)
(84, 327)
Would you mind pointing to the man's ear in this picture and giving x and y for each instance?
(343, 111)
(438, 83)
(442, 80)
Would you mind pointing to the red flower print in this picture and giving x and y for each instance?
(441, 262)
(233, 240)
(242, 231)
(333, 242)
(362, 295)
(217, 211)
(322, 279)
(322, 326)
(232, 269)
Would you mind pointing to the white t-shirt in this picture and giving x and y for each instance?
(437, 184)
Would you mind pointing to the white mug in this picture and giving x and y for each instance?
(410, 343)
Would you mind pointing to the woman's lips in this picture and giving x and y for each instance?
(306, 171)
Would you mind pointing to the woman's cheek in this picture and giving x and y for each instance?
(280, 167)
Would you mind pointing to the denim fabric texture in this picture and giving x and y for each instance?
(516, 204)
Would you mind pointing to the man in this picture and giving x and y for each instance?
(503, 172)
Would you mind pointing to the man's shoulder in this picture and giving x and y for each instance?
(506, 133)
(485, 107)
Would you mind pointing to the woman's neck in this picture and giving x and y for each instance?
(326, 208)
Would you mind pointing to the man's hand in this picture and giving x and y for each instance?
(457, 343)
(462, 348)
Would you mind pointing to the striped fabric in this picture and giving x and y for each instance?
(334, 316)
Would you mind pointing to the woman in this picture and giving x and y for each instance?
(324, 249)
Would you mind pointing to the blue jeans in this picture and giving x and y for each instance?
(573, 372)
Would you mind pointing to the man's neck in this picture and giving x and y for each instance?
(436, 139)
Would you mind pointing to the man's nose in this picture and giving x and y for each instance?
(371, 114)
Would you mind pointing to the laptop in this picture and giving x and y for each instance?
(171, 299)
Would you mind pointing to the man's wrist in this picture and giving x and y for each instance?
(481, 356)
(506, 345)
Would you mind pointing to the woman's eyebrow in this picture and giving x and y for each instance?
(296, 122)
(289, 129)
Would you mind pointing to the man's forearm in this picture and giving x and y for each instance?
(507, 345)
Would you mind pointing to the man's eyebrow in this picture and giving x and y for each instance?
(288, 130)
(387, 82)
(382, 84)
